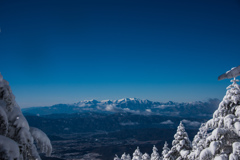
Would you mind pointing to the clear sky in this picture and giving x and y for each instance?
(59, 51)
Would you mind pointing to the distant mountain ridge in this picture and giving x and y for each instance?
(130, 105)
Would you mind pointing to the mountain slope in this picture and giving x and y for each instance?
(129, 105)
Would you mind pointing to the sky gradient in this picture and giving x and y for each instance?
(67, 51)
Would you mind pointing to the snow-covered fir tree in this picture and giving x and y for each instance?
(198, 143)
(155, 154)
(128, 157)
(146, 156)
(219, 137)
(181, 145)
(16, 137)
(125, 157)
(137, 155)
(235, 155)
(116, 158)
(224, 127)
(165, 149)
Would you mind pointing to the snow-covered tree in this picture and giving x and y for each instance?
(155, 154)
(181, 145)
(16, 140)
(128, 157)
(116, 158)
(219, 137)
(224, 127)
(42, 141)
(125, 157)
(235, 155)
(165, 149)
(146, 156)
(137, 155)
(200, 137)
(198, 143)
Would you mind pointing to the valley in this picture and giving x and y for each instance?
(98, 136)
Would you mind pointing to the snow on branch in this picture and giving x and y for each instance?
(16, 141)
(43, 142)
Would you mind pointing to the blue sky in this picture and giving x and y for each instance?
(67, 51)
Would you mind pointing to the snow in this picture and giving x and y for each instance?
(165, 149)
(126, 99)
(180, 145)
(217, 139)
(42, 140)
(146, 157)
(209, 152)
(121, 100)
(216, 134)
(234, 72)
(137, 155)
(206, 154)
(14, 128)
(237, 127)
(235, 155)
(132, 99)
(155, 155)
(125, 157)
(104, 101)
(116, 157)
(228, 121)
(9, 149)
(221, 157)
(184, 153)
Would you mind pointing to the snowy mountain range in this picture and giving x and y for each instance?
(130, 105)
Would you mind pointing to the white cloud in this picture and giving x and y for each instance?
(191, 123)
(82, 105)
(110, 107)
(167, 122)
(164, 106)
(148, 110)
(126, 109)
(129, 123)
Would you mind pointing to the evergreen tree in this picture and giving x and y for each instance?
(218, 138)
(198, 143)
(16, 137)
(224, 127)
(235, 155)
(165, 149)
(137, 155)
(125, 157)
(181, 145)
(116, 157)
(128, 157)
(146, 157)
(155, 154)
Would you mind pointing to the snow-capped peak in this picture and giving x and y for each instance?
(104, 101)
(121, 100)
(126, 99)
(90, 101)
(132, 99)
